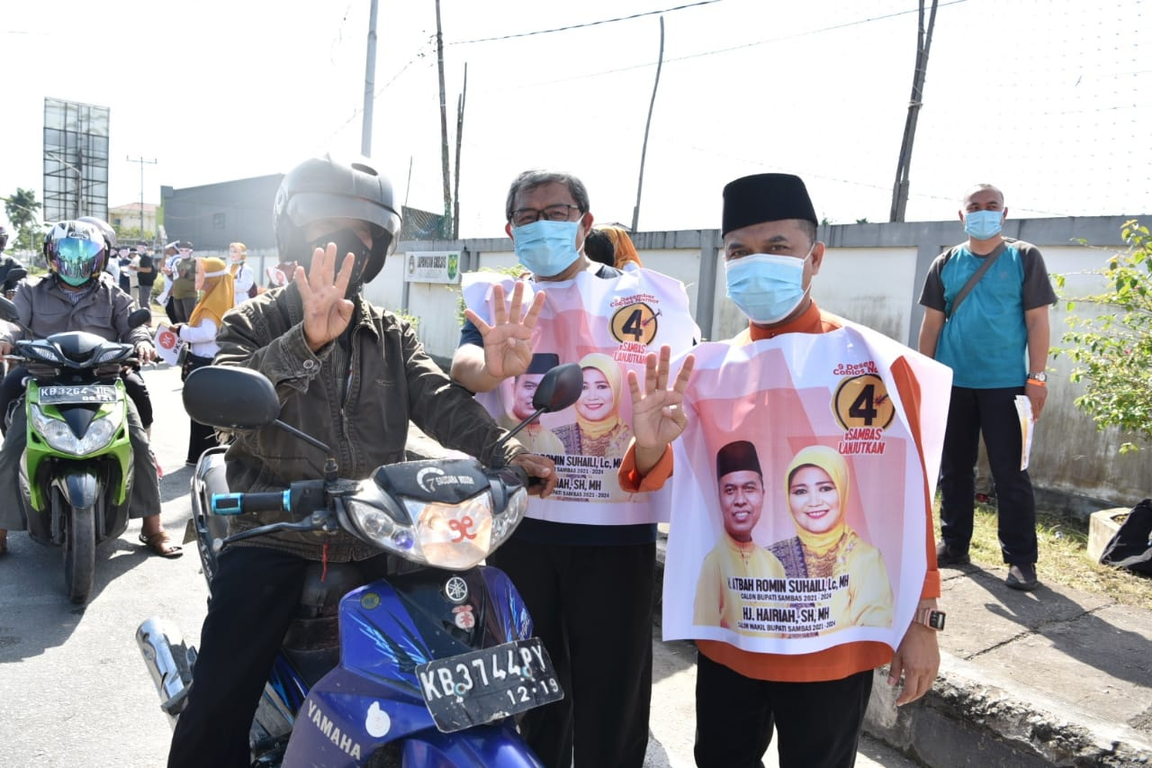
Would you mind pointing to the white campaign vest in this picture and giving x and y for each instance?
(625, 318)
(797, 390)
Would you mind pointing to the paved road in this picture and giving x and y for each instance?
(74, 688)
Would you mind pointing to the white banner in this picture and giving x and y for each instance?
(801, 487)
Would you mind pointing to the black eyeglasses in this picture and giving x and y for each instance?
(558, 212)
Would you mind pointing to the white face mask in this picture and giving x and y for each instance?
(766, 287)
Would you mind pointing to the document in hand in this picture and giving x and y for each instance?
(168, 345)
(1024, 411)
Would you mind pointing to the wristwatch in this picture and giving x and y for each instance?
(931, 618)
(1041, 377)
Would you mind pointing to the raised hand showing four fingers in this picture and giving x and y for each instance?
(658, 417)
(507, 341)
(326, 311)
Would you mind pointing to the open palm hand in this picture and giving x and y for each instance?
(658, 415)
(326, 311)
(508, 340)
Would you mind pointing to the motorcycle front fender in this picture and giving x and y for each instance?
(80, 487)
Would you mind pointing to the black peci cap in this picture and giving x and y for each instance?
(765, 197)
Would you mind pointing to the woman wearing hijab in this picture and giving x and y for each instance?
(825, 546)
(599, 430)
(215, 281)
(623, 250)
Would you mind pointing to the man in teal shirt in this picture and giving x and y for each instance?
(983, 338)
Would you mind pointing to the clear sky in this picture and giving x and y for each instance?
(1049, 99)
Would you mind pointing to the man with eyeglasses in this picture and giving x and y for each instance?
(584, 562)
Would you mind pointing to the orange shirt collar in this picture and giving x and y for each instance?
(809, 322)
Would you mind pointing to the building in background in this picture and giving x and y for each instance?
(125, 217)
(214, 215)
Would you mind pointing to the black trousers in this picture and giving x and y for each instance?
(200, 436)
(817, 724)
(592, 608)
(255, 595)
(993, 413)
(136, 389)
(254, 598)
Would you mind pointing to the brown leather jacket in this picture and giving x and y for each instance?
(363, 416)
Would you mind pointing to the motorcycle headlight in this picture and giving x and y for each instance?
(506, 522)
(59, 435)
(452, 536)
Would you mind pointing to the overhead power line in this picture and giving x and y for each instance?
(740, 47)
(586, 24)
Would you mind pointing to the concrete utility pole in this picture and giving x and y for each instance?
(647, 126)
(459, 140)
(443, 131)
(369, 85)
(79, 180)
(142, 162)
(904, 165)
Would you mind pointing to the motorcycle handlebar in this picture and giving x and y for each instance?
(239, 503)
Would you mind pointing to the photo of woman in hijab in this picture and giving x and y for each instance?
(825, 546)
(599, 430)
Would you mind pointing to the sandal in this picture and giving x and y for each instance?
(160, 544)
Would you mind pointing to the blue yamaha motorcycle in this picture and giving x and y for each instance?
(425, 668)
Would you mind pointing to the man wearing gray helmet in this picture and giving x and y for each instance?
(351, 375)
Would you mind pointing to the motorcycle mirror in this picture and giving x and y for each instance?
(559, 388)
(230, 398)
(8, 311)
(139, 317)
(240, 398)
(15, 275)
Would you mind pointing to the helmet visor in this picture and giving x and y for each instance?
(76, 258)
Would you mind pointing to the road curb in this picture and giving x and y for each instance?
(971, 719)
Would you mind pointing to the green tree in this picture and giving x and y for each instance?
(1112, 349)
(22, 209)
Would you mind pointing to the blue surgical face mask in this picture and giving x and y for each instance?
(546, 248)
(766, 287)
(982, 225)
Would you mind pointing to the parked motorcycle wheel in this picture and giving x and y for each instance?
(79, 547)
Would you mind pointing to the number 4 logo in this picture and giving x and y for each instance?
(862, 401)
(636, 323)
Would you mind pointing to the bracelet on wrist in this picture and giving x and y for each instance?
(1037, 382)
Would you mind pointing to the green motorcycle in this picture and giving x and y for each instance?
(76, 476)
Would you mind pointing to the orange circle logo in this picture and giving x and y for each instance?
(862, 401)
(635, 323)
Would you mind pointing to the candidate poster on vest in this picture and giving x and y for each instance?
(801, 491)
(608, 326)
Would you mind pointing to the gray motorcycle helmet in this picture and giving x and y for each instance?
(106, 230)
(323, 188)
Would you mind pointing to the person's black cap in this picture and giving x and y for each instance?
(765, 197)
(542, 362)
(739, 456)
